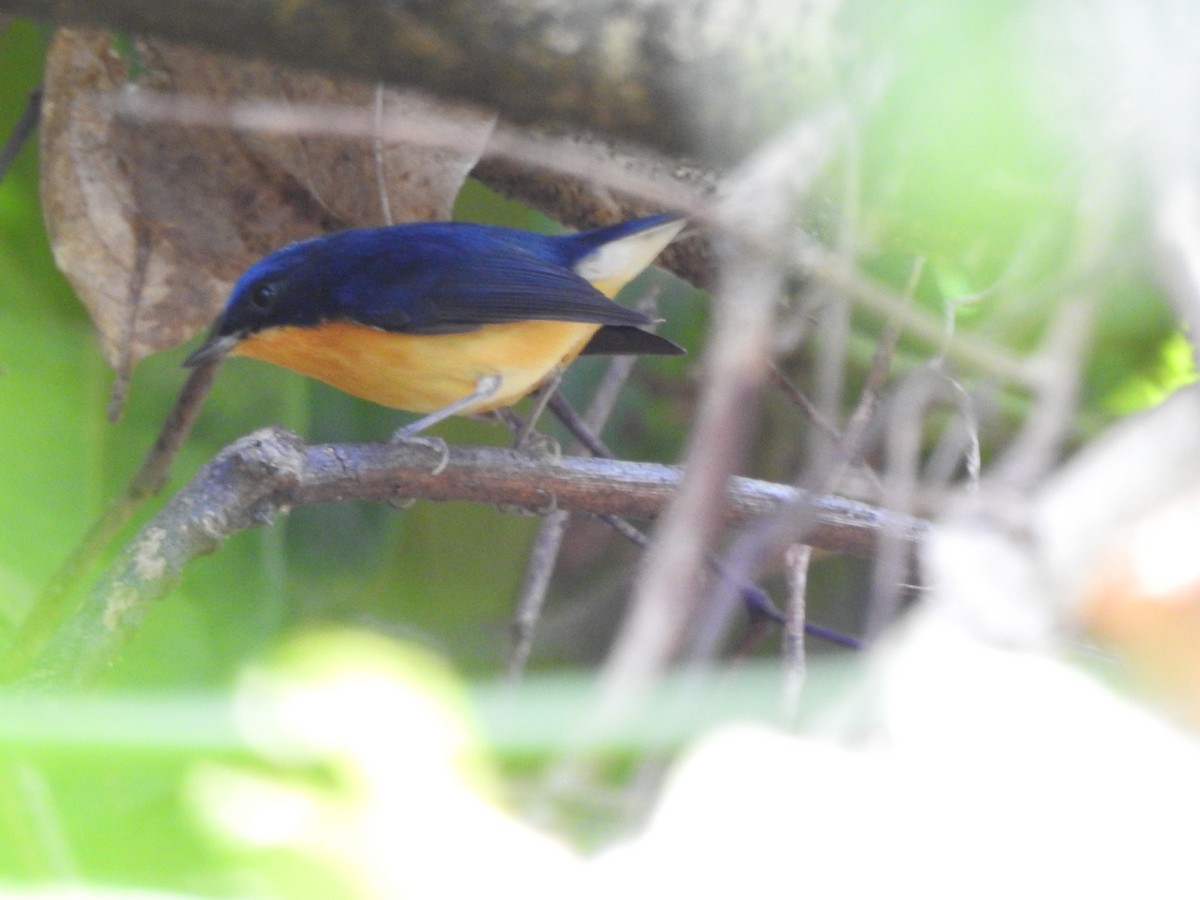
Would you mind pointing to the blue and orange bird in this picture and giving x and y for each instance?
(442, 318)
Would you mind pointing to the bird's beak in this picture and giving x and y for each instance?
(212, 350)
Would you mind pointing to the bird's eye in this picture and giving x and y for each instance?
(263, 296)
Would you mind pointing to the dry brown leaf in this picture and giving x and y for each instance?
(152, 223)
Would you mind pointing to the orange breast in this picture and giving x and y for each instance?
(423, 373)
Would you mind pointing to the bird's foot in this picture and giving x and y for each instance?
(540, 446)
(434, 444)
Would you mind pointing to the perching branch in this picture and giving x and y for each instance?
(270, 471)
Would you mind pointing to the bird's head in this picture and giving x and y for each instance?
(284, 288)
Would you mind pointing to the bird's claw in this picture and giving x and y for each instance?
(436, 444)
(541, 446)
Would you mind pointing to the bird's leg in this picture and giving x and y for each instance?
(545, 392)
(485, 388)
(526, 437)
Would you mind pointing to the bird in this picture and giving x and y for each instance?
(442, 318)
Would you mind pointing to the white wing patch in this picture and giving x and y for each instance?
(615, 264)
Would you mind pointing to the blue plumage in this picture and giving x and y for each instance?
(421, 316)
(429, 278)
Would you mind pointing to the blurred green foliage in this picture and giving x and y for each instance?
(952, 168)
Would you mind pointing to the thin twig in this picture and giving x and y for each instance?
(749, 284)
(437, 130)
(586, 436)
(385, 202)
(797, 397)
(849, 445)
(917, 394)
(753, 597)
(544, 554)
(133, 307)
(978, 354)
(797, 558)
(548, 542)
(1039, 445)
(22, 131)
(764, 540)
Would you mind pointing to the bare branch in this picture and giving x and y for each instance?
(750, 281)
(544, 554)
(578, 180)
(919, 393)
(980, 355)
(272, 470)
(795, 661)
(22, 130)
(786, 529)
(1037, 449)
(667, 73)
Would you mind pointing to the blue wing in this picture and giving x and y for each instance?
(437, 284)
